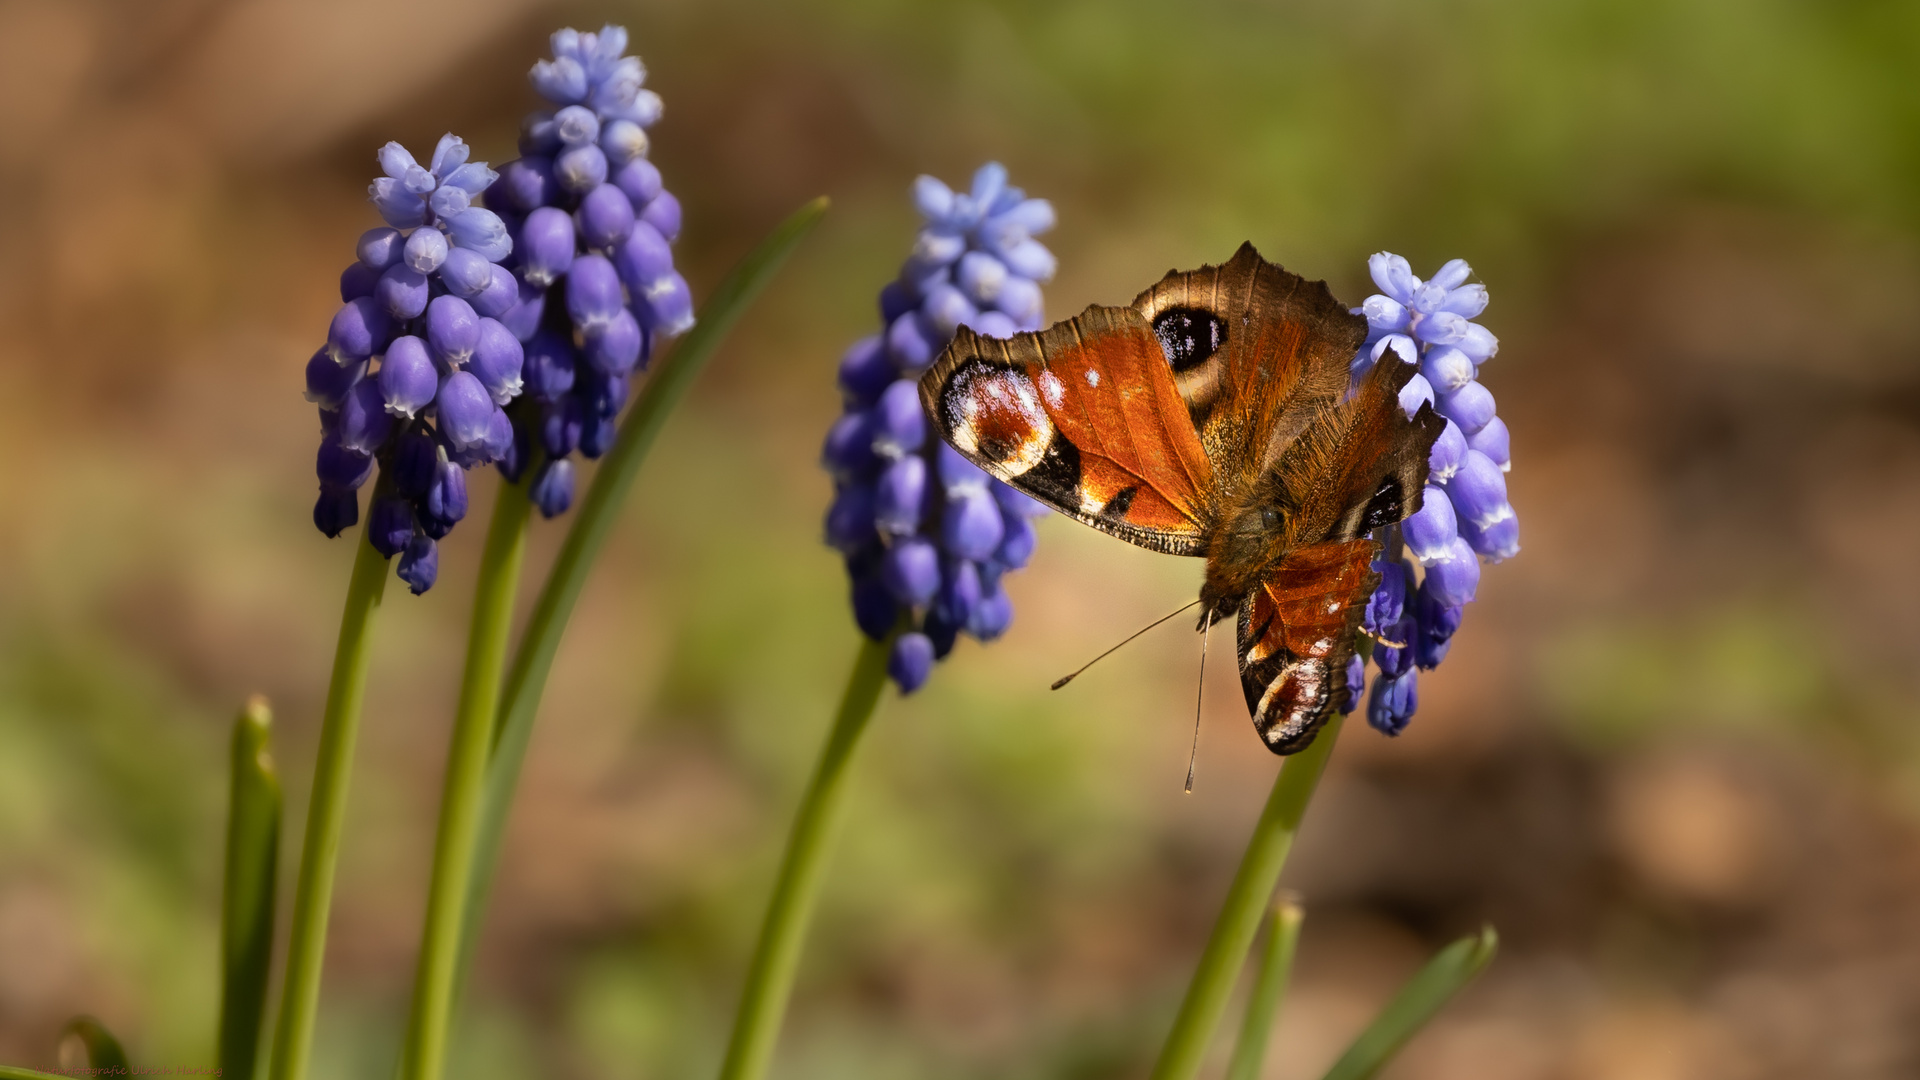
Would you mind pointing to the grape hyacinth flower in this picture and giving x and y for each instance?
(1464, 517)
(417, 364)
(927, 536)
(593, 264)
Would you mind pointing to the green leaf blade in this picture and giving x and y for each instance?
(1423, 995)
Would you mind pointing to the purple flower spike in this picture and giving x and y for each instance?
(663, 213)
(581, 169)
(380, 248)
(419, 564)
(935, 532)
(408, 381)
(1464, 514)
(910, 662)
(643, 257)
(669, 305)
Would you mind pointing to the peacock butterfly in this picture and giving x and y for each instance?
(1213, 417)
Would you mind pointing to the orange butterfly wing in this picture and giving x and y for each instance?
(1297, 637)
(1084, 417)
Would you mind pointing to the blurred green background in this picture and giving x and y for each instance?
(1673, 755)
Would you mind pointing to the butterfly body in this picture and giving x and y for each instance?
(1213, 417)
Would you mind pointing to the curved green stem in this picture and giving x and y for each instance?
(1444, 976)
(1269, 986)
(247, 900)
(592, 522)
(326, 814)
(1239, 917)
(763, 1003)
(465, 787)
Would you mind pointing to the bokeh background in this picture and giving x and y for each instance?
(1674, 756)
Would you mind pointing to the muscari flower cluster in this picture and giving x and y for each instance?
(417, 364)
(596, 282)
(926, 534)
(1464, 516)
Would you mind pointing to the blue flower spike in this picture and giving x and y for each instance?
(595, 289)
(415, 369)
(927, 537)
(1464, 518)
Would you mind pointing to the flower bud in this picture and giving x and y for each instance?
(971, 527)
(414, 460)
(466, 272)
(593, 291)
(899, 423)
(546, 246)
(548, 366)
(426, 250)
(874, 609)
(408, 381)
(576, 126)
(1456, 577)
(910, 345)
(552, 490)
(663, 213)
(911, 569)
(380, 248)
(466, 411)
(339, 467)
(328, 381)
(497, 361)
(606, 216)
(640, 180)
(669, 305)
(1492, 441)
(580, 169)
(911, 661)
(1449, 450)
(356, 281)
(1392, 703)
(1431, 530)
(900, 500)
(500, 296)
(453, 330)
(446, 499)
(848, 451)
(525, 185)
(402, 292)
(364, 421)
(390, 525)
(865, 371)
(643, 257)
(1471, 407)
(337, 510)
(419, 564)
(359, 329)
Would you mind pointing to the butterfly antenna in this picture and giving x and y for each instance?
(1193, 755)
(1065, 679)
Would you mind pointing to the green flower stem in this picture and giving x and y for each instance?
(465, 788)
(1444, 976)
(1239, 917)
(592, 522)
(326, 813)
(1269, 986)
(763, 1003)
(246, 906)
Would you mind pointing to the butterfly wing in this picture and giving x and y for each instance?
(1084, 417)
(1297, 636)
(1354, 469)
(1256, 352)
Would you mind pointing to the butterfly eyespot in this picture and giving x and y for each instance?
(1189, 336)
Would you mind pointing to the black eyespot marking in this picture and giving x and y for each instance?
(1057, 477)
(1117, 506)
(1189, 336)
(1386, 507)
